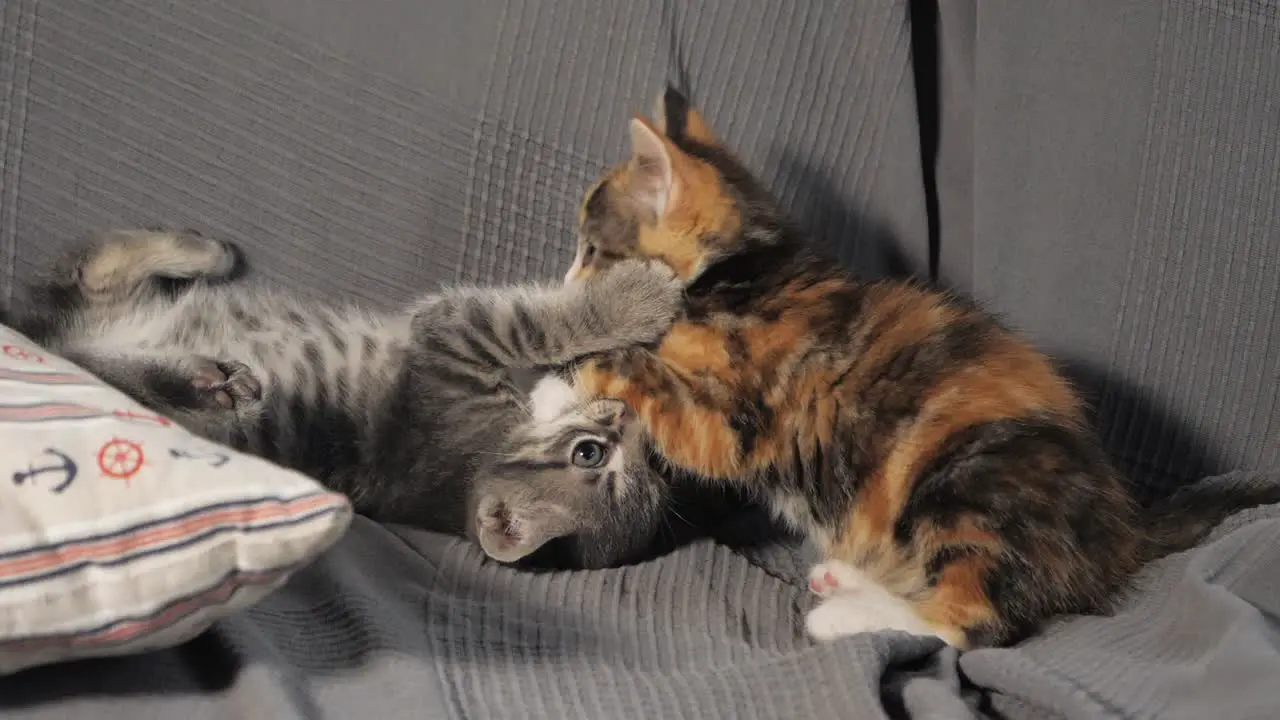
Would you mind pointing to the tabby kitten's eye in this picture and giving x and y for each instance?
(589, 254)
(589, 454)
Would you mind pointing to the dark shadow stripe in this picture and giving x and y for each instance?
(926, 71)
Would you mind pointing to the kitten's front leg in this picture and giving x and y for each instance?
(493, 330)
(634, 302)
(631, 303)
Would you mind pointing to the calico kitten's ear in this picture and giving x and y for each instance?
(653, 172)
(678, 120)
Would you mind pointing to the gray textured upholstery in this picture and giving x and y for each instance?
(1102, 172)
(1124, 185)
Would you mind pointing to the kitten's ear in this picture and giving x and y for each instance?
(677, 119)
(653, 167)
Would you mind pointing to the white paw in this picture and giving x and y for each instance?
(833, 576)
(865, 612)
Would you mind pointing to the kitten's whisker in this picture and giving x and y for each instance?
(504, 456)
(683, 519)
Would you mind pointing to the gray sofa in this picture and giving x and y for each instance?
(1104, 173)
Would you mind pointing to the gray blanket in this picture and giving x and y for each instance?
(1101, 172)
(403, 624)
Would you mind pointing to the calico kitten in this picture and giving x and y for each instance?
(941, 465)
(421, 416)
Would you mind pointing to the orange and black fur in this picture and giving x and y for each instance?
(941, 465)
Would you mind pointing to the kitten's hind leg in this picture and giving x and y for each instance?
(117, 264)
(220, 400)
(224, 384)
(856, 603)
(113, 273)
(831, 577)
(193, 382)
(217, 399)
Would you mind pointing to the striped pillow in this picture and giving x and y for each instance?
(121, 532)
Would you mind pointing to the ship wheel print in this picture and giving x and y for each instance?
(120, 459)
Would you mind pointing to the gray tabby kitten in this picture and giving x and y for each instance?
(447, 415)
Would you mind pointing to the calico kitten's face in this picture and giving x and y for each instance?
(576, 470)
(680, 197)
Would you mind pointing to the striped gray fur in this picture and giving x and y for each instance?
(422, 416)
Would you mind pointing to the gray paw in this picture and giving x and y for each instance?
(640, 298)
(225, 384)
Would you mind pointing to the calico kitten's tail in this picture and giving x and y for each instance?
(1184, 519)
